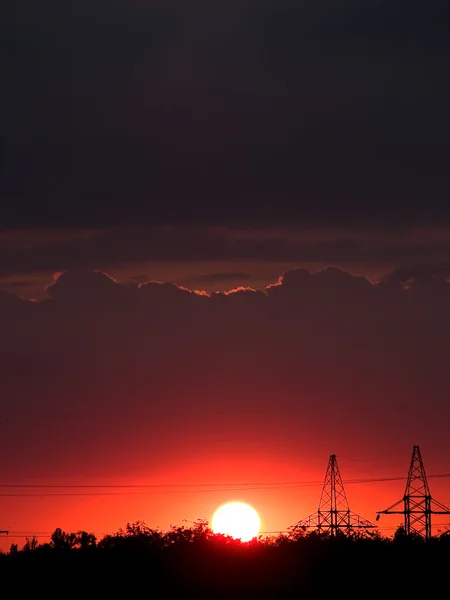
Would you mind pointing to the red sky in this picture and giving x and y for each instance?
(119, 384)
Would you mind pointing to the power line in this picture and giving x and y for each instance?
(174, 487)
(153, 485)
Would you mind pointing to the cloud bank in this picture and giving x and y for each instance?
(103, 374)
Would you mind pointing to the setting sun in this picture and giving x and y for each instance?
(238, 520)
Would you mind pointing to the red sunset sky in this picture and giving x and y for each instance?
(240, 395)
(224, 256)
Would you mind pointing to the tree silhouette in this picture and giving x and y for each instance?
(84, 540)
(192, 561)
(60, 540)
(30, 544)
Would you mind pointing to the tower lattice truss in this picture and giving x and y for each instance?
(333, 514)
(418, 505)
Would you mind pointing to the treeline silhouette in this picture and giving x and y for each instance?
(193, 562)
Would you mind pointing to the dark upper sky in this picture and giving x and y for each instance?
(259, 110)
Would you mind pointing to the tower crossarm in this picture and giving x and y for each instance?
(389, 511)
(308, 522)
(442, 509)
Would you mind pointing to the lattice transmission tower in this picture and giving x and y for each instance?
(418, 505)
(333, 514)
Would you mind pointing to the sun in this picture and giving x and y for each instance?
(238, 520)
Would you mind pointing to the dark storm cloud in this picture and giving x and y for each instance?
(141, 372)
(123, 112)
(119, 247)
(424, 272)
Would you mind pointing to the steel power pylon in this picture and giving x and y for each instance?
(333, 514)
(417, 501)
